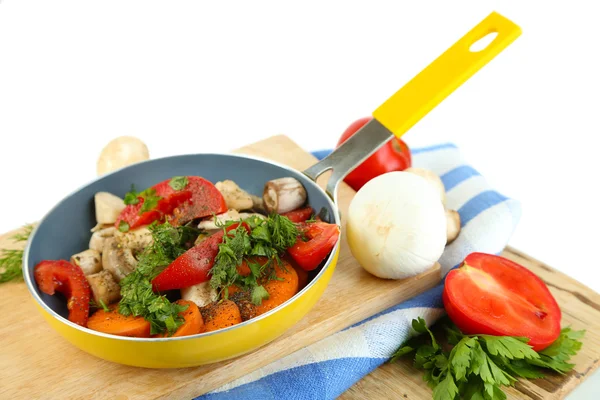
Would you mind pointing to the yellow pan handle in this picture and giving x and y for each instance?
(450, 70)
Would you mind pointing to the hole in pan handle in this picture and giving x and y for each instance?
(419, 96)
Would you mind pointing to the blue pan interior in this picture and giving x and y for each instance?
(65, 230)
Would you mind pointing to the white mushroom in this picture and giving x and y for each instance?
(136, 240)
(118, 260)
(201, 294)
(213, 222)
(104, 287)
(90, 261)
(283, 195)
(235, 197)
(452, 225)
(258, 204)
(108, 207)
(121, 152)
(99, 238)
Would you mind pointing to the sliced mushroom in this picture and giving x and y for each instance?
(452, 225)
(235, 197)
(212, 223)
(108, 207)
(201, 294)
(90, 261)
(136, 240)
(118, 260)
(104, 287)
(283, 195)
(99, 238)
(258, 204)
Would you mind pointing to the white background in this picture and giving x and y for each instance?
(190, 77)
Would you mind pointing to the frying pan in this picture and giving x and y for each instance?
(65, 230)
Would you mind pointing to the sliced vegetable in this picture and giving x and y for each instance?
(320, 238)
(393, 156)
(283, 195)
(90, 261)
(193, 324)
(280, 289)
(114, 323)
(63, 277)
(219, 315)
(104, 287)
(299, 215)
(193, 266)
(235, 197)
(492, 295)
(198, 198)
(108, 207)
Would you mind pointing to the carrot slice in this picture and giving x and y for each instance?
(219, 315)
(193, 324)
(118, 324)
(280, 290)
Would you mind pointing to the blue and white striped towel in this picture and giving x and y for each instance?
(326, 369)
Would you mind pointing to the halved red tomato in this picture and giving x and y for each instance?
(198, 198)
(299, 215)
(315, 244)
(492, 295)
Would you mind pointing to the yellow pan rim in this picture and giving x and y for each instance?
(30, 282)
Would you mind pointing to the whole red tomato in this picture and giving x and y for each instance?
(393, 156)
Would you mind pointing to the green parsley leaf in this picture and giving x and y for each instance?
(11, 260)
(104, 306)
(259, 293)
(150, 200)
(178, 182)
(460, 357)
(131, 197)
(513, 348)
(420, 326)
(123, 226)
(523, 369)
(446, 389)
(557, 355)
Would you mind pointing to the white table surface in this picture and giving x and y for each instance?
(189, 77)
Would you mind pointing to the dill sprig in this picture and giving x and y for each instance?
(11, 260)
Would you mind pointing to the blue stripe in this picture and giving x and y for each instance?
(479, 204)
(458, 175)
(321, 380)
(321, 154)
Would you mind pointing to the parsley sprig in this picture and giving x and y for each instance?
(477, 366)
(11, 260)
(268, 238)
(149, 197)
(137, 297)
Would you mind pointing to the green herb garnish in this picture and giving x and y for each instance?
(268, 238)
(178, 182)
(136, 288)
(131, 197)
(149, 197)
(477, 366)
(11, 260)
(123, 226)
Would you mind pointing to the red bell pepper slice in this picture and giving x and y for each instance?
(63, 277)
(321, 236)
(199, 198)
(299, 215)
(193, 266)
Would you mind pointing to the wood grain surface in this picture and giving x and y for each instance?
(36, 362)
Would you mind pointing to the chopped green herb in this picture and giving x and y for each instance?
(11, 260)
(178, 182)
(150, 200)
(259, 294)
(136, 288)
(123, 226)
(104, 306)
(131, 197)
(478, 366)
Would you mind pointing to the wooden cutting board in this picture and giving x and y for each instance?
(35, 362)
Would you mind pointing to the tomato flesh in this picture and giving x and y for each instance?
(198, 199)
(63, 277)
(299, 215)
(321, 238)
(393, 156)
(193, 266)
(492, 295)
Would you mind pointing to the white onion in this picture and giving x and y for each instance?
(396, 225)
